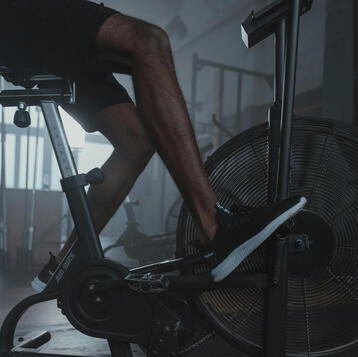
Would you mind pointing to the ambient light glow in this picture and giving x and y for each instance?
(74, 131)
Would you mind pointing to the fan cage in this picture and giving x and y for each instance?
(322, 312)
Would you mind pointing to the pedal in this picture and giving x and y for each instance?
(148, 283)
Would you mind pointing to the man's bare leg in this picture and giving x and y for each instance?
(132, 151)
(147, 54)
(162, 108)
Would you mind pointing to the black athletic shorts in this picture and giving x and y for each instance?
(57, 37)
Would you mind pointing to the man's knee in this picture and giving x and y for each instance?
(157, 37)
(152, 39)
(133, 37)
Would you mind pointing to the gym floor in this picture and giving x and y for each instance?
(65, 339)
(46, 317)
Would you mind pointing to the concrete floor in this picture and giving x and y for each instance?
(47, 317)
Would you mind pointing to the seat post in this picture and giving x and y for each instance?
(76, 197)
(59, 140)
(87, 247)
(4, 251)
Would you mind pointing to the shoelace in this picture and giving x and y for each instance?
(242, 216)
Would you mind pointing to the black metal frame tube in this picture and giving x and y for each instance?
(276, 302)
(82, 217)
(276, 295)
(274, 114)
(288, 98)
(31, 222)
(280, 54)
(4, 254)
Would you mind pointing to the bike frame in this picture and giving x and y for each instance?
(280, 18)
(87, 249)
(281, 132)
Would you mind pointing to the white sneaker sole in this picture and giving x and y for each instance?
(38, 285)
(230, 263)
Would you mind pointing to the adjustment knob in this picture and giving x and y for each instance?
(95, 176)
(22, 117)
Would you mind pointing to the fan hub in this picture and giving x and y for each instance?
(311, 244)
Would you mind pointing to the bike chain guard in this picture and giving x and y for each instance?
(148, 283)
(119, 313)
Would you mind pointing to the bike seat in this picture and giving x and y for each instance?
(27, 77)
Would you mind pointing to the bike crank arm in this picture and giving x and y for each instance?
(177, 264)
(161, 283)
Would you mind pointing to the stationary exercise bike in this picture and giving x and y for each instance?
(168, 314)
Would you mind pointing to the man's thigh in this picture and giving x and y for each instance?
(58, 36)
(94, 93)
(51, 35)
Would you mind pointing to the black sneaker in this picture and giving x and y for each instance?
(241, 232)
(40, 282)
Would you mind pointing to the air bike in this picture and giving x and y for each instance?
(295, 296)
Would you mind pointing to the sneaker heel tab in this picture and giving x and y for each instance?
(303, 200)
(222, 209)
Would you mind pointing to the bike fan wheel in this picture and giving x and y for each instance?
(322, 315)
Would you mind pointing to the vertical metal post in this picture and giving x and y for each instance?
(77, 198)
(276, 296)
(26, 201)
(274, 114)
(288, 98)
(33, 192)
(194, 88)
(59, 141)
(3, 177)
(69, 221)
(3, 204)
(280, 54)
(17, 158)
(276, 302)
(47, 158)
